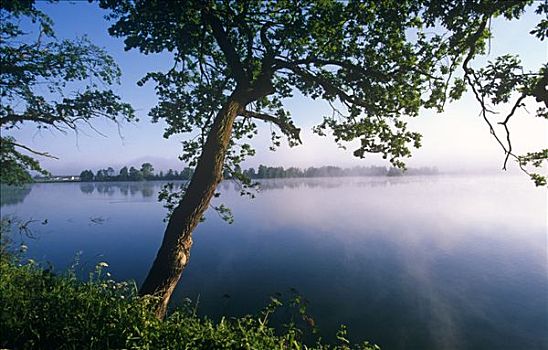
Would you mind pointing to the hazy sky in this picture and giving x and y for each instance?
(455, 139)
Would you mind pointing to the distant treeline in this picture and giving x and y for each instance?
(146, 172)
(266, 172)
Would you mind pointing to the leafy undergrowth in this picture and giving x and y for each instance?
(42, 310)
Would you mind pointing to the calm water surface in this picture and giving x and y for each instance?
(408, 263)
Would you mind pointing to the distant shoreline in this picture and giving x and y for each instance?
(147, 173)
(255, 179)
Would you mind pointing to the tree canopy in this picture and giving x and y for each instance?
(377, 63)
(54, 84)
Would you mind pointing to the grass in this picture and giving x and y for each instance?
(42, 310)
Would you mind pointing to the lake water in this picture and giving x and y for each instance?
(442, 262)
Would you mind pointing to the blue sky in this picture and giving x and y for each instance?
(455, 139)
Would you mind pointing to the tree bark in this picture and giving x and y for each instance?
(174, 252)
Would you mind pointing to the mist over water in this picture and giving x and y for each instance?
(440, 262)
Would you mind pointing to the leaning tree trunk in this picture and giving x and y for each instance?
(174, 252)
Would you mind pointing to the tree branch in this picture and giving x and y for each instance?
(473, 81)
(507, 130)
(227, 47)
(355, 68)
(327, 85)
(351, 67)
(20, 118)
(286, 126)
(43, 154)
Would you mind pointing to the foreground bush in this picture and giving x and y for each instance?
(41, 310)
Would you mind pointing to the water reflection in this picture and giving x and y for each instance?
(151, 188)
(409, 263)
(87, 187)
(145, 189)
(11, 195)
(294, 183)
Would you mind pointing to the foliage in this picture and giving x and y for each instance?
(498, 83)
(147, 170)
(47, 311)
(54, 84)
(375, 62)
(536, 158)
(14, 165)
(86, 176)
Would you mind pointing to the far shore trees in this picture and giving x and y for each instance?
(376, 63)
(263, 172)
(133, 174)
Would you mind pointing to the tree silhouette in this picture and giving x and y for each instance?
(147, 170)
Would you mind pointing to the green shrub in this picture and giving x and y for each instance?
(42, 310)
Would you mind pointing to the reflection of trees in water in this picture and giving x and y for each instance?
(146, 189)
(150, 188)
(332, 182)
(11, 195)
(87, 187)
(105, 188)
(273, 184)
